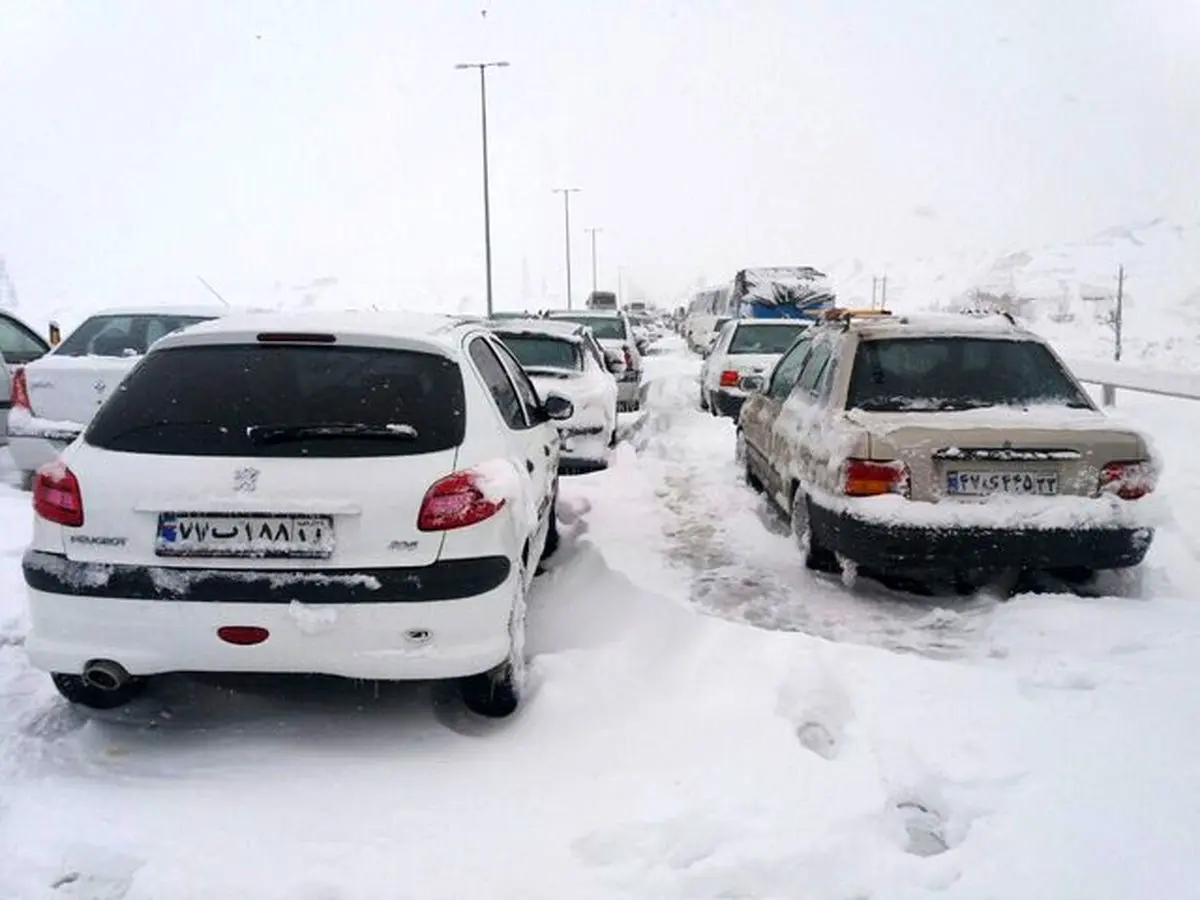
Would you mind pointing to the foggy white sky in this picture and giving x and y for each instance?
(144, 142)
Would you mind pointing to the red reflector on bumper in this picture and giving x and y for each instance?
(242, 635)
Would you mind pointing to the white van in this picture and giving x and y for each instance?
(700, 327)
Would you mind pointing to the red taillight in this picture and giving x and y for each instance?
(628, 358)
(243, 635)
(1128, 479)
(56, 495)
(20, 391)
(730, 378)
(870, 478)
(455, 501)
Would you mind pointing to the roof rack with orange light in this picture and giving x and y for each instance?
(845, 314)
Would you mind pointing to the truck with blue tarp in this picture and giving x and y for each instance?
(780, 292)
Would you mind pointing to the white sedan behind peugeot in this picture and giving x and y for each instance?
(55, 396)
(564, 357)
(364, 495)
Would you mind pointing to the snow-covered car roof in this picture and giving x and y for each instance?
(792, 322)
(567, 331)
(589, 313)
(433, 330)
(211, 311)
(933, 325)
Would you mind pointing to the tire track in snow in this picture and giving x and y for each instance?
(742, 561)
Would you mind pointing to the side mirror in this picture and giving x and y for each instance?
(558, 407)
(615, 362)
(55, 334)
(752, 383)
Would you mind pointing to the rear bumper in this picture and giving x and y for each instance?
(629, 391)
(584, 450)
(727, 403)
(914, 549)
(442, 621)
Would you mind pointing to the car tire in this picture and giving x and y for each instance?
(742, 458)
(80, 693)
(703, 400)
(553, 539)
(816, 557)
(26, 480)
(496, 693)
(712, 406)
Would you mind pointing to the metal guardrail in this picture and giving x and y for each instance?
(1112, 376)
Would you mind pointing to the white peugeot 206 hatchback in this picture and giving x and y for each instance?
(356, 494)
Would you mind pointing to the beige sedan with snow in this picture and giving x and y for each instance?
(948, 445)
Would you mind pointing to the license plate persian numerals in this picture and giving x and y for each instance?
(984, 484)
(235, 535)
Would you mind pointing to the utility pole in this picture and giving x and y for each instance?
(487, 203)
(1119, 317)
(883, 293)
(874, 290)
(1117, 321)
(567, 192)
(595, 269)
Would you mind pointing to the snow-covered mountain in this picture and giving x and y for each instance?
(1066, 291)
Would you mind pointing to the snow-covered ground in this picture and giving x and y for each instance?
(709, 721)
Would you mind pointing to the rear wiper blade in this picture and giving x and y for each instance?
(279, 434)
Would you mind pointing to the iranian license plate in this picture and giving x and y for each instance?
(230, 536)
(983, 484)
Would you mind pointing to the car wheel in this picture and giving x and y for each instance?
(703, 400)
(79, 692)
(552, 536)
(712, 405)
(26, 480)
(816, 557)
(497, 692)
(742, 458)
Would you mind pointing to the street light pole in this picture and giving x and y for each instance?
(595, 269)
(487, 200)
(567, 192)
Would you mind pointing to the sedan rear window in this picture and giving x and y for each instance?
(284, 401)
(122, 335)
(536, 352)
(956, 373)
(606, 328)
(764, 338)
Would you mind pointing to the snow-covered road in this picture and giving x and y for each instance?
(709, 721)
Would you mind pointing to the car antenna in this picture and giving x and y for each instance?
(213, 291)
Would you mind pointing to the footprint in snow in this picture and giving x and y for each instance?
(924, 828)
(94, 873)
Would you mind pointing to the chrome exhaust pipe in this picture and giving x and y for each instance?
(105, 675)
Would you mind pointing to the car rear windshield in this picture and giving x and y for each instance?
(284, 401)
(536, 352)
(122, 335)
(764, 338)
(956, 373)
(606, 328)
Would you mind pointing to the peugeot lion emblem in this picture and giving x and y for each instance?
(245, 479)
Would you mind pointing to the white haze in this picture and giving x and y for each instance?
(266, 145)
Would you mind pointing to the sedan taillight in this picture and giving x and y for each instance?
(1128, 479)
(872, 478)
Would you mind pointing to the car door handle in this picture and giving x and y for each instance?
(529, 466)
